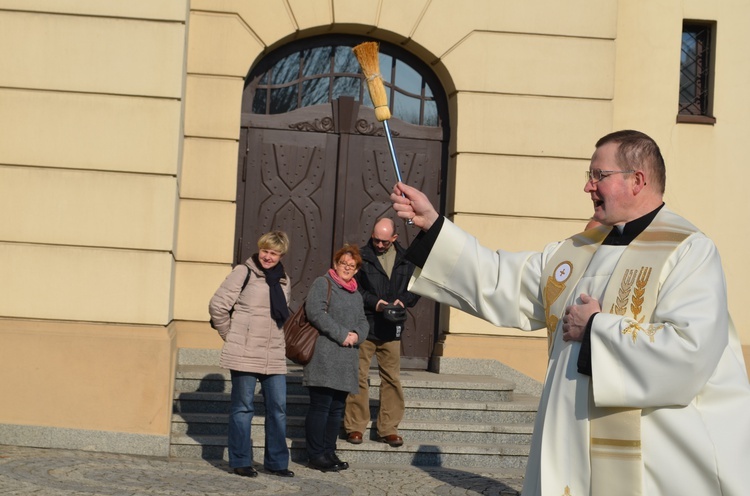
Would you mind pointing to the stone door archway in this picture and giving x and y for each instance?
(323, 174)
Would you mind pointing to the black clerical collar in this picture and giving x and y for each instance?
(631, 229)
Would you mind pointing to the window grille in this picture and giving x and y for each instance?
(313, 72)
(696, 73)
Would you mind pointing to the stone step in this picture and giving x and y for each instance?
(451, 420)
(521, 409)
(200, 424)
(495, 456)
(416, 384)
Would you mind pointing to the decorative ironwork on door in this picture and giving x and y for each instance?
(319, 168)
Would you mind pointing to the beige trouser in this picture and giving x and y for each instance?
(391, 411)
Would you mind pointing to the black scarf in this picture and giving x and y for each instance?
(279, 307)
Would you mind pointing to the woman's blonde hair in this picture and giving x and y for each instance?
(274, 240)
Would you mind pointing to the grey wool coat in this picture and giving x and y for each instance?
(252, 340)
(332, 365)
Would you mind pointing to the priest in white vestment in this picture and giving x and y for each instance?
(646, 391)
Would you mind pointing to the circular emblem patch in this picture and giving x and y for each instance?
(563, 271)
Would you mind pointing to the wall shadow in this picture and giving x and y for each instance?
(205, 417)
(429, 459)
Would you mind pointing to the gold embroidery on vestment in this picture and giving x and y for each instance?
(552, 321)
(552, 291)
(625, 443)
(634, 327)
(621, 304)
(640, 289)
(640, 278)
(566, 492)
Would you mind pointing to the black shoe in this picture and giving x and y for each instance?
(246, 471)
(284, 472)
(323, 464)
(342, 465)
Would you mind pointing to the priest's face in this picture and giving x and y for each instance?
(612, 193)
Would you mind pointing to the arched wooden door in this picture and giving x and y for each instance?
(323, 174)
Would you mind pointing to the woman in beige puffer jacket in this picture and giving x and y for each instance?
(250, 322)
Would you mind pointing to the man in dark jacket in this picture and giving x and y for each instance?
(382, 280)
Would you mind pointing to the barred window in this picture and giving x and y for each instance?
(696, 73)
(317, 71)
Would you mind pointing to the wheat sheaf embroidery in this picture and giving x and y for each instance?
(620, 306)
(640, 288)
(636, 304)
(635, 327)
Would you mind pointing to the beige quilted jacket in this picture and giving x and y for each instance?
(252, 341)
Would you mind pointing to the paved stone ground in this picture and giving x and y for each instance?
(56, 472)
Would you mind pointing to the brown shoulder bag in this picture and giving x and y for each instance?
(300, 335)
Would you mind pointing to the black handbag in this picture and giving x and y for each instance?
(390, 322)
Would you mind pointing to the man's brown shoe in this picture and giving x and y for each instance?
(393, 440)
(354, 437)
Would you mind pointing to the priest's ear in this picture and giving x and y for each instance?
(640, 181)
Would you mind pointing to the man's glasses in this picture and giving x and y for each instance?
(384, 242)
(348, 266)
(598, 174)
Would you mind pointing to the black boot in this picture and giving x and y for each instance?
(323, 463)
(284, 472)
(246, 471)
(333, 457)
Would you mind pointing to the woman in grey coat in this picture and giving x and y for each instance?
(249, 310)
(334, 369)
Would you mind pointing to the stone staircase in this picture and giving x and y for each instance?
(451, 420)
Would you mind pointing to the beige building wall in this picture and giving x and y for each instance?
(706, 172)
(532, 86)
(120, 128)
(91, 123)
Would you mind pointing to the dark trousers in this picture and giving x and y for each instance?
(323, 421)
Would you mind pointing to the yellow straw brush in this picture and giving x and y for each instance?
(368, 58)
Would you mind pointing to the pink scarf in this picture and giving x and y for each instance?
(350, 286)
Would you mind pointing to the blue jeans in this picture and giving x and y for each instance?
(241, 413)
(323, 421)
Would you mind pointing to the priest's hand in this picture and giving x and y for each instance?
(412, 204)
(577, 317)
